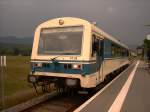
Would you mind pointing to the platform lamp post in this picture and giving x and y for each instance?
(146, 41)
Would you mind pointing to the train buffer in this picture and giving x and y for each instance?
(128, 92)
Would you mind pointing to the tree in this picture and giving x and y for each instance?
(146, 43)
(16, 51)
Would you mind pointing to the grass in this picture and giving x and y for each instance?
(16, 74)
(16, 87)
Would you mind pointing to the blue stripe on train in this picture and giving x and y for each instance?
(59, 68)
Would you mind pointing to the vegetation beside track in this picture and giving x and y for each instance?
(16, 87)
(16, 74)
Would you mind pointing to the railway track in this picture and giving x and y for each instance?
(60, 103)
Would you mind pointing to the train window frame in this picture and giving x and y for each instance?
(68, 55)
(92, 51)
(95, 50)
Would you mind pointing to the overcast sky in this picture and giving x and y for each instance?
(124, 19)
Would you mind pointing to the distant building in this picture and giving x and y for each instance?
(140, 51)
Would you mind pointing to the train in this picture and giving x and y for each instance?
(74, 53)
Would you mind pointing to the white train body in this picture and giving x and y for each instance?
(75, 52)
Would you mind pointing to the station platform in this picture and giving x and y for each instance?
(128, 92)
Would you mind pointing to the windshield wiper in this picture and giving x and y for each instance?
(53, 59)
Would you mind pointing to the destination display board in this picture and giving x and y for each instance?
(62, 29)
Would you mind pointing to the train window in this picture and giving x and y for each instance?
(107, 48)
(118, 51)
(65, 41)
(112, 50)
(95, 45)
(115, 50)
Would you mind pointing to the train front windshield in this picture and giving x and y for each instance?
(60, 41)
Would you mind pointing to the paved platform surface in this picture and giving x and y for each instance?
(135, 82)
(138, 98)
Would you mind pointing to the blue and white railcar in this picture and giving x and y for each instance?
(73, 52)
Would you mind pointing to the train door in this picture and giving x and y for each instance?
(98, 48)
(100, 59)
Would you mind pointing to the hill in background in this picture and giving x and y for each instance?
(17, 40)
(15, 46)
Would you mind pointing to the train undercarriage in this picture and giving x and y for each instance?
(62, 84)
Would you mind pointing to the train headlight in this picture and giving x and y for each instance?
(38, 65)
(76, 66)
